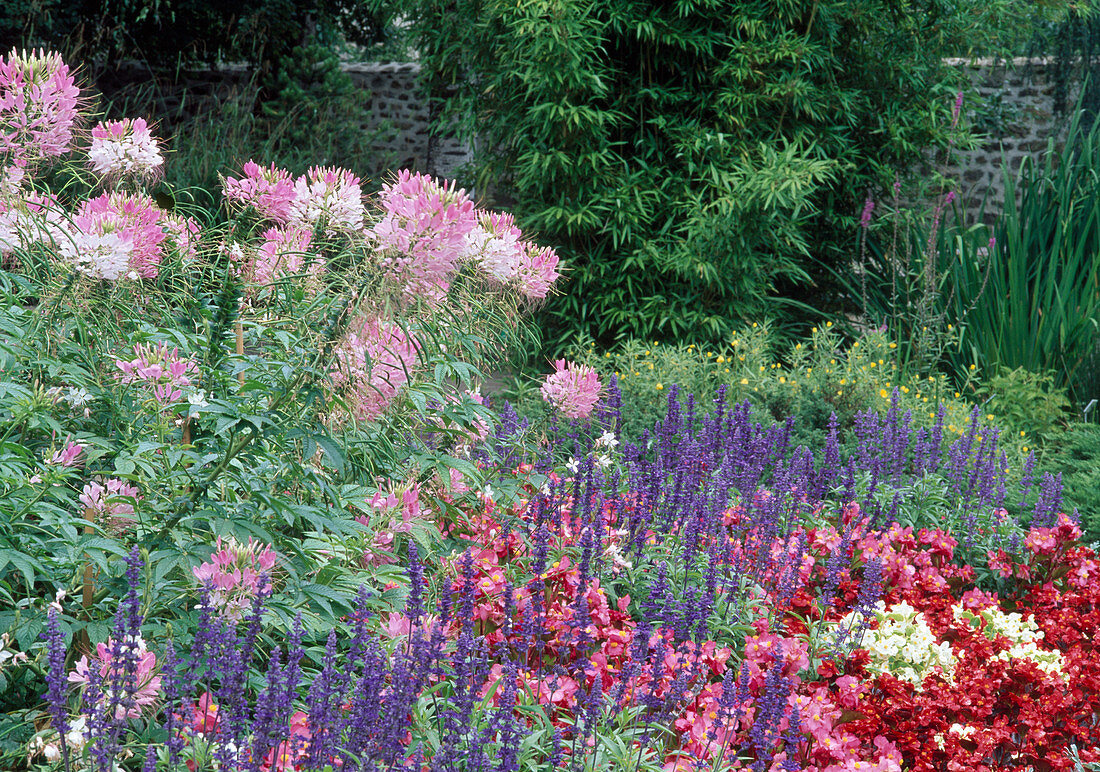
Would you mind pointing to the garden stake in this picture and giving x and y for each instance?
(240, 348)
(86, 594)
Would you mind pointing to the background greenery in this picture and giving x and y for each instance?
(697, 161)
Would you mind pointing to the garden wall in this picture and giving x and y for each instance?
(1020, 125)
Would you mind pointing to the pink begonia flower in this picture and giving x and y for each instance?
(289, 754)
(143, 684)
(135, 219)
(67, 455)
(38, 105)
(284, 253)
(373, 365)
(267, 189)
(1046, 541)
(329, 196)
(232, 575)
(422, 233)
(572, 388)
(124, 147)
(399, 626)
(110, 503)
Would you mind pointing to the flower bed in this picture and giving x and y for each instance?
(266, 439)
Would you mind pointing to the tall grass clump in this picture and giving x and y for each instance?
(1022, 293)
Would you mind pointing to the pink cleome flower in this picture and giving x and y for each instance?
(267, 189)
(135, 221)
(68, 455)
(374, 364)
(422, 235)
(495, 245)
(38, 105)
(328, 196)
(111, 503)
(159, 369)
(284, 253)
(537, 271)
(124, 147)
(232, 575)
(572, 388)
(139, 681)
(32, 218)
(407, 502)
(184, 232)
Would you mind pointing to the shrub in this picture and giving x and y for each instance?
(689, 158)
(811, 381)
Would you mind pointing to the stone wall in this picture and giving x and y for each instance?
(400, 111)
(1024, 93)
(396, 102)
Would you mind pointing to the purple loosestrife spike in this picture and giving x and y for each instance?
(414, 607)
(791, 739)
(174, 687)
(956, 111)
(325, 695)
(865, 218)
(269, 713)
(1049, 501)
(848, 638)
(504, 721)
(771, 709)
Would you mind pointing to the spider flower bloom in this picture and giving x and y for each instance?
(494, 245)
(159, 369)
(68, 455)
(124, 147)
(232, 575)
(572, 388)
(329, 196)
(537, 270)
(33, 218)
(267, 189)
(110, 503)
(99, 255)
(135, 674)
(283, 254)
(422, 233)
(136, 219)
(374, 364)
(38, 105)
(184, 232)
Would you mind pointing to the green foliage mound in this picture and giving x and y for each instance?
(1078, 460)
